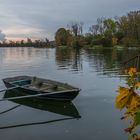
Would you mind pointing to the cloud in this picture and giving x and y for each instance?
(36, 18)
(2, 36)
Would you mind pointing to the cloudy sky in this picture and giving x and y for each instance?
(20, 19)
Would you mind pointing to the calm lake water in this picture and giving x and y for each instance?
(95, 72)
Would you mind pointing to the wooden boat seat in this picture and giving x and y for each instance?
(48, 88)
(43, 88)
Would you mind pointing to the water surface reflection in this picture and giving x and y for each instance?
(62, 108)
(66, 109)
(104, 61)
(96, 72)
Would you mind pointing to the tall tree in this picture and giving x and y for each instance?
(110, 27)
(76, 28)
(61, 36)
(129, 25)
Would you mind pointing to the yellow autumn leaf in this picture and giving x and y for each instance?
(123, 98)
(132, 71)
(137, 85)
(134, 104)
(136, 137)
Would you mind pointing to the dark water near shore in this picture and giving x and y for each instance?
(95, 72)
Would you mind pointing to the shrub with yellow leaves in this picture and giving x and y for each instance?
(128, 98)
(132, 71)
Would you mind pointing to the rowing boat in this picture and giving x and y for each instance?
(46, 89)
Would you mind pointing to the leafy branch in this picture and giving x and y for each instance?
(128, 98)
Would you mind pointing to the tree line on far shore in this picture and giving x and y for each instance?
(28, 43)
(106, 32)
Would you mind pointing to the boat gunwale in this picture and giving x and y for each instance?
(12, 79)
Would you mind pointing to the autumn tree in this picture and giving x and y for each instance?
(104, 32)
(62, 36)
(129, 26)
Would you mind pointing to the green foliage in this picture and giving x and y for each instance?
(78, 41)
(124, 30)
(107, 41)
(119, 35)
(110, 27)
(88, 38)
(130, 42)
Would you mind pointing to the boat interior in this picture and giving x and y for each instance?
(37, 84)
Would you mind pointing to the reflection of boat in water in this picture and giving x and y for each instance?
(62, 108)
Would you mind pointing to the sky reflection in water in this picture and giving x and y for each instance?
(95, 72)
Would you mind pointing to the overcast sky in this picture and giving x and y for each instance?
(20, 19)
